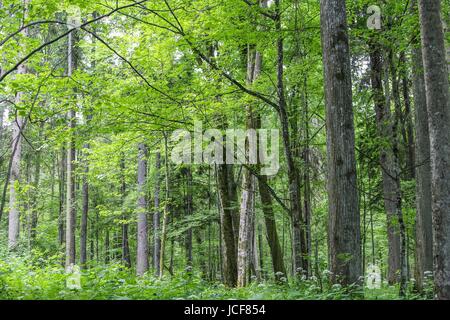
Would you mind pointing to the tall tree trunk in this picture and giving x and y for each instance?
(16, 147)
(298, 226)
(246, 212)
(166, 208)
(387, 162)
(307, 203)
(142, 232)
(344, 241)
(157, 217)
(437, 87)
(70, 198)
(424, 223)
(85, 212)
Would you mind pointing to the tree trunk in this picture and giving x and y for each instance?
(299, 248)
(70, 198)
(166, 208)
(142, 232)
(389, 173)
(343, 216)
(437, 96)
(62, 183)
(84, 213)
(157, 217)
(410, 152)
(126, 259)
(227, 211)
(246, 212)
(16, 147)
(424, 223)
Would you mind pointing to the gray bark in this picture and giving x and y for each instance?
(437, 96)
(70, 189)
(84, 214)
(14, 214)
(157, 217)
(142, 232)
(343, 214)
(246, 212)
(424, 223)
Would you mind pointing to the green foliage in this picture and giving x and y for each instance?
(20, 279)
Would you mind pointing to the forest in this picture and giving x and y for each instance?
(239, 149)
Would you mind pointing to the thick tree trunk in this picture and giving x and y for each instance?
(343, 216)
(424, 223)
(437, 96)
(142, 232)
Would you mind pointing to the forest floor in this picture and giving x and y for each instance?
(40, 281)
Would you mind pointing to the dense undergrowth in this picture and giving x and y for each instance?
(44, 279)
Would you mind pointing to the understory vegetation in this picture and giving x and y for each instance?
(22, 280)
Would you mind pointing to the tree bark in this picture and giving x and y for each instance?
(70, 198)
(389, 174)
(157, 217)
(343, 208)
(246, 212)
(437, 97)
(166, 209)
(142, 232)
(62, 183)
(16, 146)
(424, 224)
(227, 211)
(84, 213)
